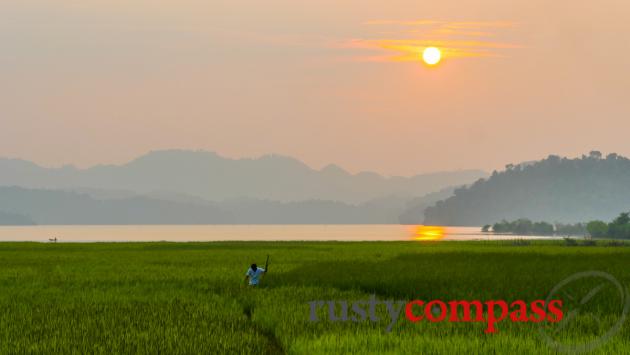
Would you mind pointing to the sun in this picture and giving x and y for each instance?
(431, 55)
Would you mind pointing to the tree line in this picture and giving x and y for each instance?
(524, 226)
(618, 228)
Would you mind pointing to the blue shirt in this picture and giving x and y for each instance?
(254, 275)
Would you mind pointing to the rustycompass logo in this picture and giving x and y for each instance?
(595, 304)
(490, 312)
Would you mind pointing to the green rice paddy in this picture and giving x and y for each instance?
(189, 298)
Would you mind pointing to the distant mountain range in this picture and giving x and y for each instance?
(193, 187)
(555, 189)
(197, 187)
(413, 213)
(207, 175)
(22, 206)
(11, 219)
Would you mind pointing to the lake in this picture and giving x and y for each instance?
(202, 233)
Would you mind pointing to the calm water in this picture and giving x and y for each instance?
(242, 232)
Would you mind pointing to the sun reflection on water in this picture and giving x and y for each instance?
(424, 233)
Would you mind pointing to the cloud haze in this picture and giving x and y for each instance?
(456, 39)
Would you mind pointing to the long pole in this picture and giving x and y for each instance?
(267, 264)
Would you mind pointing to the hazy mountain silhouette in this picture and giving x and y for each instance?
(11, 219)
(208, 176)
(64, 207)
(414, 210)
(554, 189)
(68, 207)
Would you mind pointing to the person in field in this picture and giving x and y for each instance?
(254, 273)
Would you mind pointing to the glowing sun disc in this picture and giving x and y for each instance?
(431, 55)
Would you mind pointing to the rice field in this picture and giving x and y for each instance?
(189, 298)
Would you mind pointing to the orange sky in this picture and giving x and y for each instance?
(98, 81)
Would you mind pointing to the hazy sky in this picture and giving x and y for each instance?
(103, 81)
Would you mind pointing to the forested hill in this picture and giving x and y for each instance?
(554, 189)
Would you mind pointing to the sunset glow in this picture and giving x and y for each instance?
(324, 78)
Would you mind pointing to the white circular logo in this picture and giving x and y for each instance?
(595, 306)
